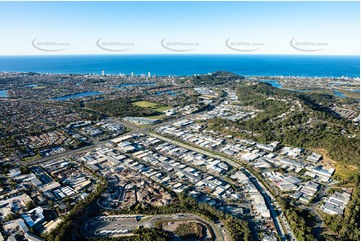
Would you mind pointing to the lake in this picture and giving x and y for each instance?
(3, 93)
(169, 92)
(339, 94)
(273, 83)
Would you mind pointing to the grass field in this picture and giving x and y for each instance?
(31, 158)
(155, 106)
(352, 94)
(163, 108)
(146, 104)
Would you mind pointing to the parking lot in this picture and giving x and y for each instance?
(124, 225)
(111, 225)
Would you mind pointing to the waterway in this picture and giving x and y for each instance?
(275, 83)
(32, 85)
(77, 95)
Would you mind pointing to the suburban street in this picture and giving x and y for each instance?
(253, 179)
(146, 130)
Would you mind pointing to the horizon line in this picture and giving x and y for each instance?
(174, 54)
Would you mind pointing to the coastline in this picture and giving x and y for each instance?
(187, 65)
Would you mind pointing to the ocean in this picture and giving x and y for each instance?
(182, 65)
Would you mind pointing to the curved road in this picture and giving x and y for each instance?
(90, 226)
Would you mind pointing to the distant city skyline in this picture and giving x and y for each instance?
(64, 28)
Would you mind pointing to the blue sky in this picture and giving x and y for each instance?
(197, 27)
